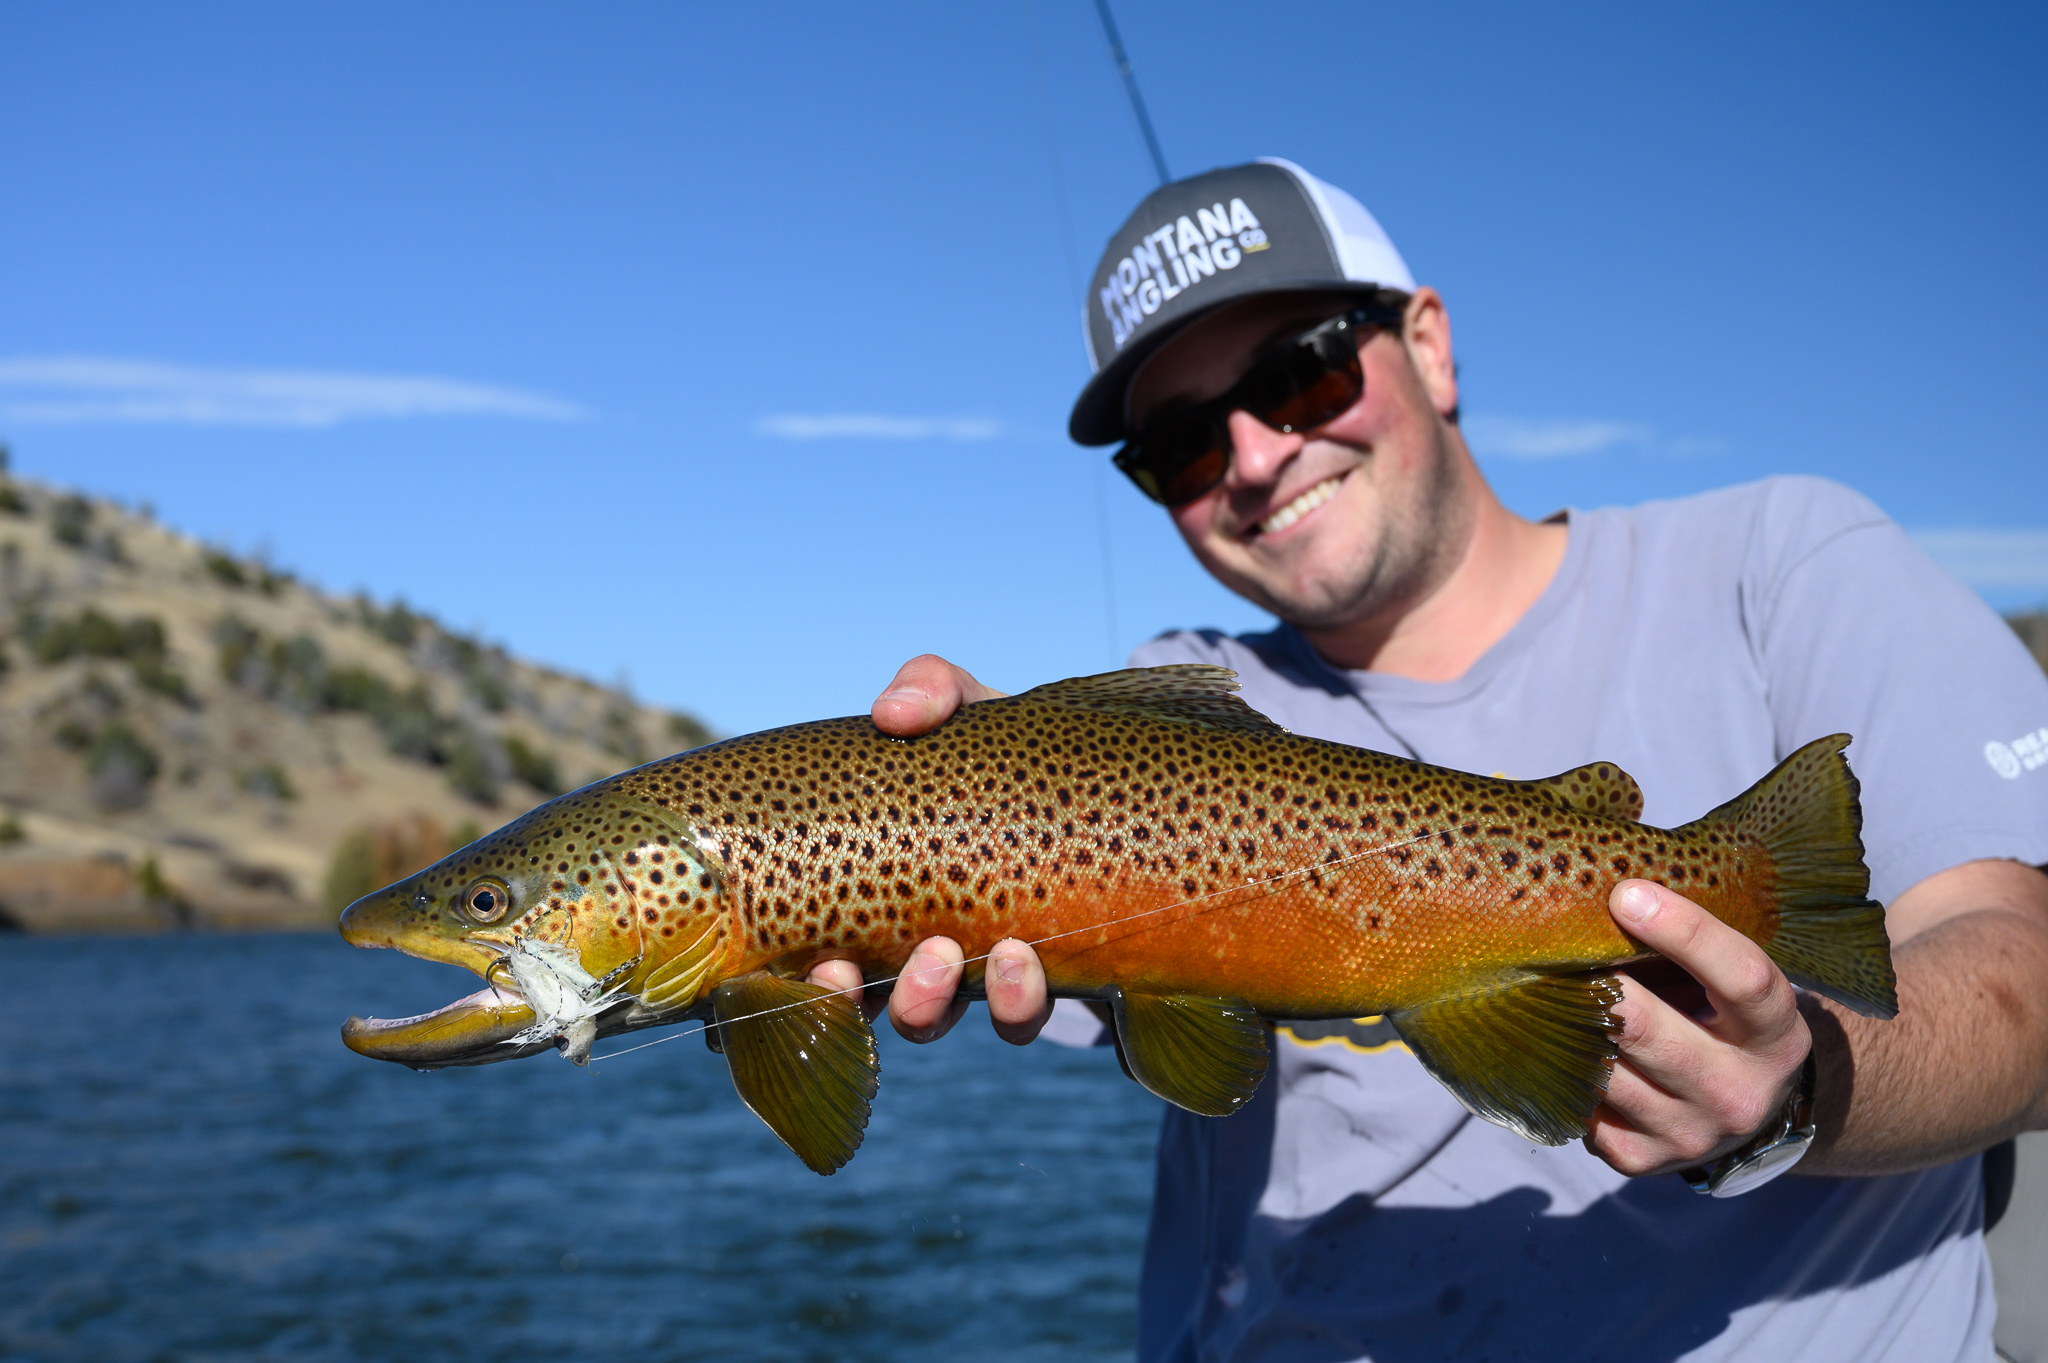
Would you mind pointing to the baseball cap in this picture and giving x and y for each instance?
(1199, 243)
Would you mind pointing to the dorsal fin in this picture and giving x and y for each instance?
(1596, 788)
(1188, 693)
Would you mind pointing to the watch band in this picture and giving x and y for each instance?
(1767, 1154)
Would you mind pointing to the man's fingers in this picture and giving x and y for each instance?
(843, 977)
(924, 695)
(1688, 1088)
(1678, 1094)
(923, 1006)
(1751, 999)
(1015, 984)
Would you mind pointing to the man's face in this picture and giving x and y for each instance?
(1358, 518)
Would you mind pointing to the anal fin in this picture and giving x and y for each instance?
(803, 1058)
(1206, 1055)
(1533, 1055)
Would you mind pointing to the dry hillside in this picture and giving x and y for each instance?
(188, 738)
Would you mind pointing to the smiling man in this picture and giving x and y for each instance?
(1289, 395)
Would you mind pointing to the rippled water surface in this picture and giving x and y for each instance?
(193, 1168)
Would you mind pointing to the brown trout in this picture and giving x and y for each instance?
(1169, 850)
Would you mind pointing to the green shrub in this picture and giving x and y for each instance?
(622, 735)
(470, 769)
(490, 692)
(122, 767)
(11, 500)
(535, 766)
(358, 690)
(351, 870)
(412, 728)
(270, 782)
(225, 570)
(149, 879)
(156, 675)
(89, 633)
(70, 518)
(11, 830)
(397, 625)
(117, 743)
(687, 731)
(236, 641)
(2032, 627)
(369, 858)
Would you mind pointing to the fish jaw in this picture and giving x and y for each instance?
(474, 1029)
(478, 1029)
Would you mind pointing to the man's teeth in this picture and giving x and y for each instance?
(1299, 507)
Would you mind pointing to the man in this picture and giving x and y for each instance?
(1290, 395)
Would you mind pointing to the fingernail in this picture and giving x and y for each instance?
(905, 693)
(1010, 970)
(1636, 903)
(921, 961)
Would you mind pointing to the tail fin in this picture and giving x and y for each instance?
(1831, 936)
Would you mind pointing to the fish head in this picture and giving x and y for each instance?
(577, 930)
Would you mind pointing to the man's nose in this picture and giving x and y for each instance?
(1258, 452)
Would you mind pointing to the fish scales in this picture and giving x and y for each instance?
(1156, 838)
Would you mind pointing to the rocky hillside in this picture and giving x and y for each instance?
(193, 739)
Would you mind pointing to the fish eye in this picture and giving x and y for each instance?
(486, 901)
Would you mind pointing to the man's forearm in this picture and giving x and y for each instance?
(1964, 1064)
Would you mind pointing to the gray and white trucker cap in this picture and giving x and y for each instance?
(1207, 240)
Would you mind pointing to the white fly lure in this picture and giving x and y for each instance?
(565, 997)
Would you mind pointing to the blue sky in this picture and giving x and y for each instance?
(727, 349)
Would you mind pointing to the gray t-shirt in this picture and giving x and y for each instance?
(1355, 1210)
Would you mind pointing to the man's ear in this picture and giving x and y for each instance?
(1426, 331)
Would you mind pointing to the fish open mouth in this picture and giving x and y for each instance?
(477, 1029)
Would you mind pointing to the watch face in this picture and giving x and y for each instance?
(1756, 1170)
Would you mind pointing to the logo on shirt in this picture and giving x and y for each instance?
(2024, 753)
(1367, 1036)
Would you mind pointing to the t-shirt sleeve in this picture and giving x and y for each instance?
(1857, 631)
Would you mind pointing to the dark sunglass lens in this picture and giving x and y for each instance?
(1194, 478)
(1325, 399)
(1179, 455)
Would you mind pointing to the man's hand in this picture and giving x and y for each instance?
(1706, 1060)
(1709, 1050)
(924, 1004)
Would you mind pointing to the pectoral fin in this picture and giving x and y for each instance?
(1206, 1055)
(1533, 1056)
(803, 1058)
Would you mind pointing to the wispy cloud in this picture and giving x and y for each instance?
(81, 389)
(872, 426)
(2011, 559)
(1514, 437)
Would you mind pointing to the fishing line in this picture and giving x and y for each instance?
(865, 985)
(1059, 202)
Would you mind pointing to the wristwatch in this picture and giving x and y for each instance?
(1767, 1154)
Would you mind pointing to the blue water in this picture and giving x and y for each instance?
(193, 1168)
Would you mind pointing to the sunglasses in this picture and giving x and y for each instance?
(1183, 449)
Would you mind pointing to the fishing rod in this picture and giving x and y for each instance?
(1123, 66)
